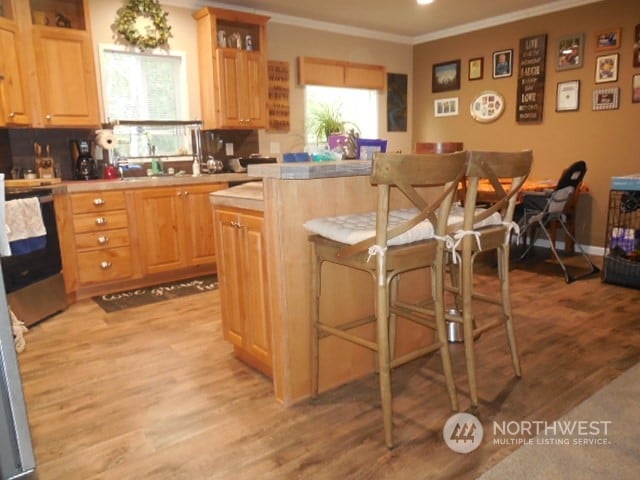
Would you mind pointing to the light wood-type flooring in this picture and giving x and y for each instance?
(155, 392)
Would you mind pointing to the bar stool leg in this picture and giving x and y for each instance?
(437, 278)
(316, 272)
(503, 271)
(467, 319)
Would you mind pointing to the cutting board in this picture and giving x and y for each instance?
(35, 182)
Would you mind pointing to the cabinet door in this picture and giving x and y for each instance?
(256, 94)
(199, 226)
(161, 234)
(230, 271)
(242, 80)
(14, 108)
(66, 77)
(231, 83)
(258, 326)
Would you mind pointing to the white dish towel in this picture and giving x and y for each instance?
(5, 250)
(24, 219)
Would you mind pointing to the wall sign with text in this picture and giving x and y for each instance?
(531, 73)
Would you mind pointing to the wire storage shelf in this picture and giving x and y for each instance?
(621, 263)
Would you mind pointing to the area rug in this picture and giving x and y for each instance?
(113, 302)
(614, 455)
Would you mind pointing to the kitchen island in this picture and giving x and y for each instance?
(291, 194)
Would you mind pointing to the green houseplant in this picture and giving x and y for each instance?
(326, 119)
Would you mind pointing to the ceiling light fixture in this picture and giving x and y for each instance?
(424, 2)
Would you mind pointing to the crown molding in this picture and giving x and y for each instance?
(502, 19)
(389, 37)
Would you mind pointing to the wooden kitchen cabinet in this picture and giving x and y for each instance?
(14, 102)
(60, 62)
(242, 276)
(233, 81)
(95, 240)
(175, 225)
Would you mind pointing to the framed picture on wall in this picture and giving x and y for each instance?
(635, 88)
(568, 96)
(476, 66)
(608, 39)
(607, 68)
(570, 52)
(445, 107)
(446, 76)
(502, 63)
(606, 98)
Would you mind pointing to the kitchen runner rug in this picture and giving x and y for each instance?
(113, 302)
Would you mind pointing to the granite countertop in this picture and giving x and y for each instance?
(310, 170)
(146, 182)
(248, 195)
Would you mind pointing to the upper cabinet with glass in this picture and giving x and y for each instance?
(58, 13)
(232, 60)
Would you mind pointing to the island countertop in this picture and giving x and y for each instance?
(310, 170)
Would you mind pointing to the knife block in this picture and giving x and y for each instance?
(44, 167)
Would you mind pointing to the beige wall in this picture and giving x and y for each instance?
(604, 139)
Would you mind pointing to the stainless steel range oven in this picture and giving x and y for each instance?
(33, 281)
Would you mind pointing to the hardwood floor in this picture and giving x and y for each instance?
(155, 393)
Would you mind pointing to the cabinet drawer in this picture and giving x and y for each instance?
(104, 265)
(98, 222)
(97, 202)
(106, 239)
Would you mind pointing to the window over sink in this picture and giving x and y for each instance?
(143, 85)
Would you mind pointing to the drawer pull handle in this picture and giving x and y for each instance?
(101, 221)
(98, 201)
(102, 240)
(104, 265)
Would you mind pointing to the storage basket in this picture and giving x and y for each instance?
(621, 271)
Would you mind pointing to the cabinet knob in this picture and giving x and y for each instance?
(105, 265)
(48, 116)
(103, 240)
(101, 221)
(12, 114)
(98, 201)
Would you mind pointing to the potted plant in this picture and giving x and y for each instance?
(325, 120)
(328, 126)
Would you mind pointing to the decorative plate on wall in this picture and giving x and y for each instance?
(487, 106)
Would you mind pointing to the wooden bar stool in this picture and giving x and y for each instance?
(485, 229)
(386, 244)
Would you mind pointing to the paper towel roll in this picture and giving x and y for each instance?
(105, 139)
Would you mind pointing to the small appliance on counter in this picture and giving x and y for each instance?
(83, 162)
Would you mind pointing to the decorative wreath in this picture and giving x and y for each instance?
(153, 36)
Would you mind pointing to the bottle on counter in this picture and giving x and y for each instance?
(196, 168)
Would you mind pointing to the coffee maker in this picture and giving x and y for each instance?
(84, 165)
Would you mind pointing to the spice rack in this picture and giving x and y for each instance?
(278, 98)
